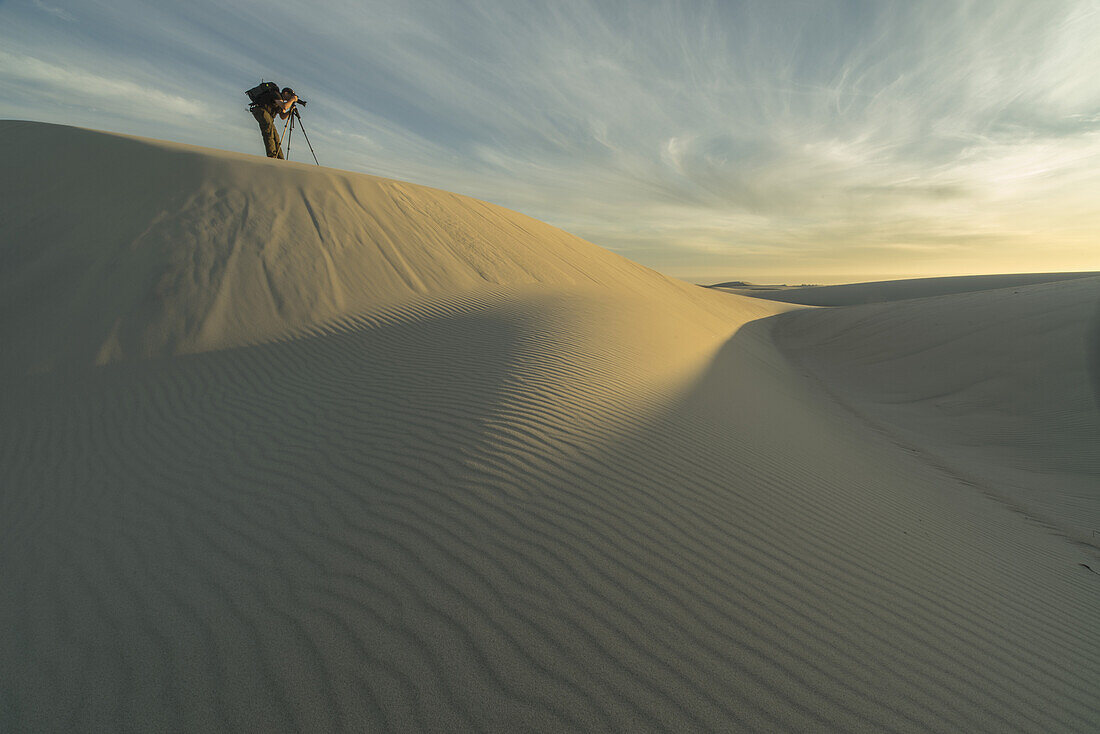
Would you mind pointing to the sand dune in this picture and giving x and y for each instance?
(475, 474)
(853, 294)
(1002, 387)
(119, 247)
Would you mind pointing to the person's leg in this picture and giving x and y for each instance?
(268, 132)
(275, 142)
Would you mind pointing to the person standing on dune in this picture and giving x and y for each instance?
(265, 106)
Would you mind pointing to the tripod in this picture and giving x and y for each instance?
(290, 121)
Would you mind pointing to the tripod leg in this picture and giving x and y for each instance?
(307, 138)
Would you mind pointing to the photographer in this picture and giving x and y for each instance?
(281, 104)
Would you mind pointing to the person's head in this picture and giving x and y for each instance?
(287, 93)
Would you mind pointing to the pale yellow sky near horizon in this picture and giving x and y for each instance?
(842, 278)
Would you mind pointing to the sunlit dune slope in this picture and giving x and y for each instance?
(117, 247)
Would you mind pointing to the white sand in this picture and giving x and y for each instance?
(853, 294)
(360, 455)
(1000, 387)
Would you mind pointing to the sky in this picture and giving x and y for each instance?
(773, 141)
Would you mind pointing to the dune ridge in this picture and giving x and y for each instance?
(615, 503)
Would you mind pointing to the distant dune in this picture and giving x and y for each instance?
(292, 449)
(853, 294)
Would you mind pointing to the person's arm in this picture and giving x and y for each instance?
(285, 105)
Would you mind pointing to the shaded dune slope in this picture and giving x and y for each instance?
(1000, 386)
(602, 501)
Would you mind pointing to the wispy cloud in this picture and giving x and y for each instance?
(723, 132)
(75, 86)
(54, 11)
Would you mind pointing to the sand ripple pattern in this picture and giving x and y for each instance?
(477, 514)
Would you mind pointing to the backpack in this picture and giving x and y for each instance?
(265, 93)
